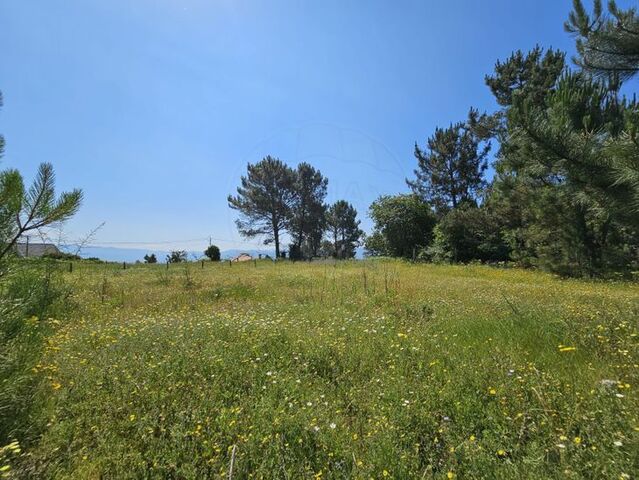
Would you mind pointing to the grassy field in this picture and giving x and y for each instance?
(377, 369)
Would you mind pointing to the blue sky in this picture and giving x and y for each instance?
(154, 107)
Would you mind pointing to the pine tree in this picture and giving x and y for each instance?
(556, 171)
(343, 228)
(450, 171)
(607, 43)
(264, 200)
(307, 210)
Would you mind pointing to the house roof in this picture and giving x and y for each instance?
(36, 249)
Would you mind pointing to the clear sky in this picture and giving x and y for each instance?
(154, 107)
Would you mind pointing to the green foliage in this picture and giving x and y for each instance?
(62, 256)
(30, 294)
(343, 229)
(607, 44)
(558, 174)
(213, 253)
(469, 233)
(403, 226)
(450, 172)
(308, 211)
(24, 210)
(264, 200)
(176, 256)
(531, 75)
(150, 258)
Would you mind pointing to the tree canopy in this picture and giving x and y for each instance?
(264, 200)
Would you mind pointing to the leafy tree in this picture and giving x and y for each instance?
(469, 233)
(450, 171)
(264, 200)
(343, 228)
(307, 211)
(213, 253)
(176, 256)
(24, 210)
(403, 226)
(150, 258)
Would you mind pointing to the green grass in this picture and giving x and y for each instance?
(377, 369)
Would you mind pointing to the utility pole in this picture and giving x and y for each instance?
(27, 250)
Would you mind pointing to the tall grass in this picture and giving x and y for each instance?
(378, 369)
(31, 292)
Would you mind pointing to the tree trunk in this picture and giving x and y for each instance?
(276, 236)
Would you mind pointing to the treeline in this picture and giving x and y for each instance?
(565, 193)
(274, 199)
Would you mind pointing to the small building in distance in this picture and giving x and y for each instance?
(36, 249)
(243, 257)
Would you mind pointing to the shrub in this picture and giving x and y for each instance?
(213, 252)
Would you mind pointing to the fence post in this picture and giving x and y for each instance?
(202, 263)
(70, 267)
(255, 262)
(230, 263)
(123, 265)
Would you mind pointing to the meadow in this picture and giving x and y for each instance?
(357, 369)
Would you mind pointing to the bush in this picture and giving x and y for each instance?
(467, 234)
(62, 256)
(213, 252)
(403, 225)
(150, 258)
(176, 256)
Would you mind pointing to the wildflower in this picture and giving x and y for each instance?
(450, 475)
(492, 391)
(566, 349)
(385, 473)
(501, 453)
(333, 426)
(617, 443)
(132, 417)
(577, 440)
